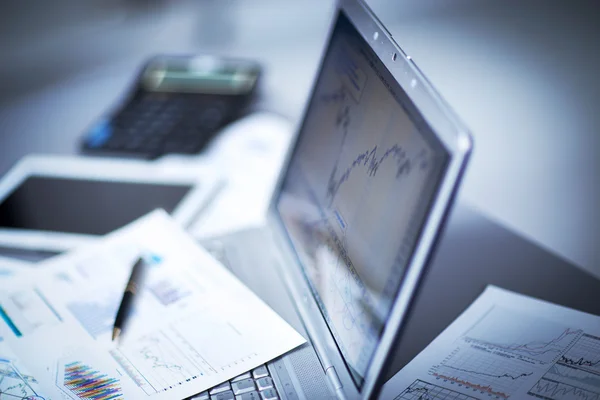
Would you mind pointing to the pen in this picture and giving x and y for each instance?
(127, 301)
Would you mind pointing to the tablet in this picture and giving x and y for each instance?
(49, 204)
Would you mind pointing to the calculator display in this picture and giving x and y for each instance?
(202, 74)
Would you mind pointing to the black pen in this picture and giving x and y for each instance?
(127, 301)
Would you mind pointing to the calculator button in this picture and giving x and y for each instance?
(152, 145)
(133, 143)
(220, 388)
(188, 131)
(244, 386)
(100, 134)
(115, 142)
(181, 146)
(200, 396)
(211, 118)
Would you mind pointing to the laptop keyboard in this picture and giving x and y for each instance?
(255, 385)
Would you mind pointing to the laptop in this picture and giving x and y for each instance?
(354, 218)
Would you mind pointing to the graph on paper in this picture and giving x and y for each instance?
(15, 384)
(536, 339)
(553, 390)
(86, 383)
(421, 390)
(584, 355)
(157, 363)
(508, 346)
(26, 311)
(576, 375)
(487, 373)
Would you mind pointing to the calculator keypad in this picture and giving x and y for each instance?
(154, 124)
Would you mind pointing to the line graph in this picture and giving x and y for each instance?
(553, 390)
(576, 375)
(484, 372)
(162, 363)
(364, 164)
(585, 354)
(537, 339)
(370, 160)
(156, 363)
(16, 385)
(421, 390)
(373, 162)
(132, 371)
(507, 375)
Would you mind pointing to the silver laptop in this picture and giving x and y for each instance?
(366, 188)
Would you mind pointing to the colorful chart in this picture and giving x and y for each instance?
(86, 383)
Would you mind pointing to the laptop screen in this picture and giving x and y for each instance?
(357, 191)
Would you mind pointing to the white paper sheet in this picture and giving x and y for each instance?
(16, 382)
(193, 326)
(507, 345)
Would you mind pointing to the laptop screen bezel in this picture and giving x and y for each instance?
(455, 140)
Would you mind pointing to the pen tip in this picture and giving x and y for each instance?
(116, 333)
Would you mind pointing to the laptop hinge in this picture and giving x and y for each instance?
(333, 378)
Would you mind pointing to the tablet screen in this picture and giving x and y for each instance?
(85, 206)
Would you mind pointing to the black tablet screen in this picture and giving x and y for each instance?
(84, 206)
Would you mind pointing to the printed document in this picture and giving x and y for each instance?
(507, 346)
(193, 324)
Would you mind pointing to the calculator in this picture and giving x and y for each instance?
(177, 105)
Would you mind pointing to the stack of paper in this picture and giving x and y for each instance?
(193, 326)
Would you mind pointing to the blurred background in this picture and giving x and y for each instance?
(521, 74)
